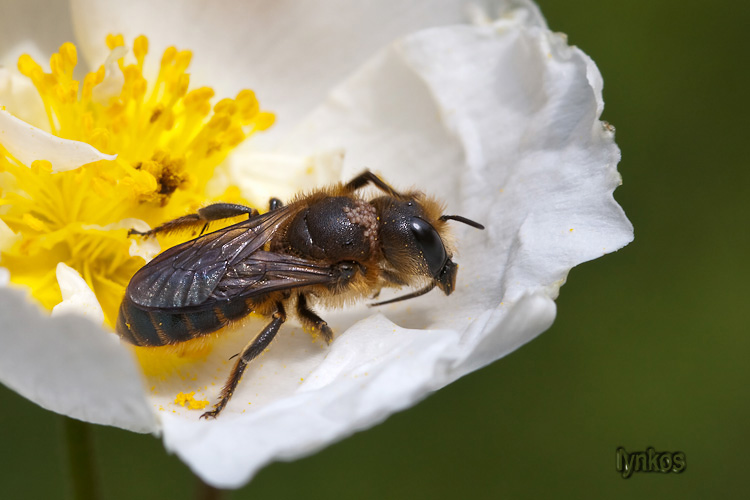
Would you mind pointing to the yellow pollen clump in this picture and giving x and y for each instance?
(189, 400)
(169, 140)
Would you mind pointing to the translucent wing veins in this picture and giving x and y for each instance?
(186, 275)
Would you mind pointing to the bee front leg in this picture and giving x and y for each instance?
(213, 212)
(312, 320)
(274, 203)
(392, 278)
(388, 278)
(250, 352)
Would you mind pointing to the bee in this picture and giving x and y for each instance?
(330, 247)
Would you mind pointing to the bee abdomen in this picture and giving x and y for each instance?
(157, 328)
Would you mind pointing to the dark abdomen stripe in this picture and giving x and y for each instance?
(157, 328)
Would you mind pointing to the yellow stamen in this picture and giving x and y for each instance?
(168, 140)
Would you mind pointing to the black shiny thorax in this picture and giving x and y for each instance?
(334, 228)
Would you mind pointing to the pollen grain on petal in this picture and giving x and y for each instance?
(188, 400)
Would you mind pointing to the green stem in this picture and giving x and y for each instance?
(207, 492)
(81, 459)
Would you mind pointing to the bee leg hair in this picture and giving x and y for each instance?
(312, 320)
(250, 352)
(215, 211)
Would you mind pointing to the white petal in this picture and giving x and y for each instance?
(147, 248)
(263, 175)
(71, 366)
(77, 297)
(111, 85)
(28, 143)
(537, 155)
(507, 328)
(385, 120)
(502, 121)
(19, 97)
(290, 53)
(370, 371)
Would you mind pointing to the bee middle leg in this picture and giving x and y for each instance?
(250, 352)
(312, 320)
(213, 212)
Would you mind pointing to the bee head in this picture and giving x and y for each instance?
(413, 240)
(435, 256)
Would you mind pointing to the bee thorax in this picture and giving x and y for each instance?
(337, 228)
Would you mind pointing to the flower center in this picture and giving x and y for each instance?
(168, 140)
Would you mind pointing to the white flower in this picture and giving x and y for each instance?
(499, 118)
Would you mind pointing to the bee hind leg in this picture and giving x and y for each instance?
(213, 212)
(368, 177)
(312, 320)
(250, 352)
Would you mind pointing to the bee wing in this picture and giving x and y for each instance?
(264, 272)
(186, 275)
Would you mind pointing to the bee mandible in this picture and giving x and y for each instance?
(329, 247)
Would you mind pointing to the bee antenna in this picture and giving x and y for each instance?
(407, 296)
(466, 221)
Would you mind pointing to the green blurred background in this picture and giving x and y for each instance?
(650, 347)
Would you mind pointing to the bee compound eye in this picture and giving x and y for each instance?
(430, 243)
